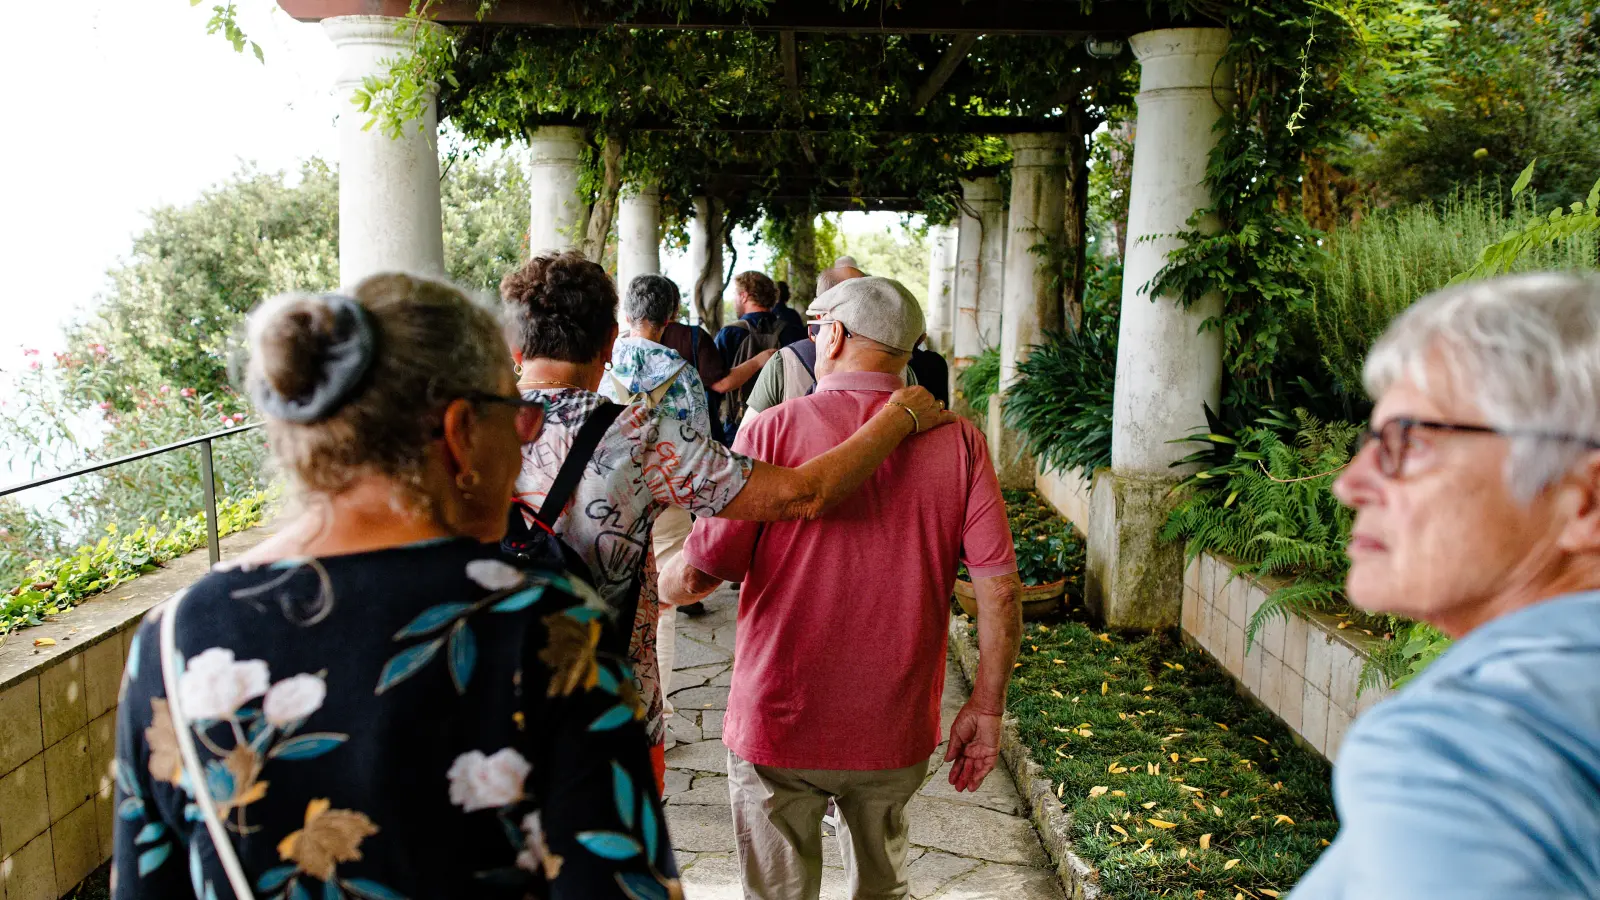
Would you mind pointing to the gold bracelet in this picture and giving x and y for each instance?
(916, 423)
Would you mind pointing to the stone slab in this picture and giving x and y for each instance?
(701, 829)
(933, 870)
(966, 830)
(708, 790)
(999, 882)
(678, 781)
(711, 724)
(692, 653)
(996, 793)
(704, 756)
(701, 698)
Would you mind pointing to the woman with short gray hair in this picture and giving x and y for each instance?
(1477, 498)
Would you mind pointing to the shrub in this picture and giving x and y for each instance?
(1048, 550)
(979, 381)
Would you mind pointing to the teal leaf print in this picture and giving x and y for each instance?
(582, 613)
(371, 890)
(133, 658)
(219, 780)
(519, 601)
(609, 844)
(641, 887)
(150, 833)
(622, 792)
(608, 681)
(432, 619)
(647, 825)
(308, 746)
(406, 663)
(151, 860)
(273, 878)
(463, 656)
(615, 717)
(330, 891)
(126, 778)
(297, 891)
(131, 809)
(191, 813)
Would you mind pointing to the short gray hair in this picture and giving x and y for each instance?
(1525, 348)
(651, 298)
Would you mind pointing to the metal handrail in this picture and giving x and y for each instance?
(207, 476)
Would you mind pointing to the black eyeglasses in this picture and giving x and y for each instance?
(529, 412)
(1393, 439)
(815, 328)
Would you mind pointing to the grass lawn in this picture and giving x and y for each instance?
(1177, 786)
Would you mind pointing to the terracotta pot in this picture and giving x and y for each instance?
(1038, 600)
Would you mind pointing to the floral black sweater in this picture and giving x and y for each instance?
(425, 721)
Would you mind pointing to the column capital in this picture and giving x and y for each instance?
(981, 191)
(1036, 149)
(367, 45)
(556, 145)
(1179, 58)
(643, 192)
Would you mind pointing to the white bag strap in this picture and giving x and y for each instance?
(191, 757)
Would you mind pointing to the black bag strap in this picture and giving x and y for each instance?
(582, 450)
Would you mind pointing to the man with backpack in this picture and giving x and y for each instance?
(757, 330)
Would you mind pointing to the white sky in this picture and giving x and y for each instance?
(123, 105)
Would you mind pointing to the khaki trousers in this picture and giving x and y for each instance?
(671, 529)
(777, 819)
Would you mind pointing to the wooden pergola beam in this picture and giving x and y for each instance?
(1051, 18)
(954, 56)
(884, 125)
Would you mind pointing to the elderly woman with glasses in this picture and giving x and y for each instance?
(1477, 498)
(372, 703)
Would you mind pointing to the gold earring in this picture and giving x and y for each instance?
(518, 369)
(466, 481)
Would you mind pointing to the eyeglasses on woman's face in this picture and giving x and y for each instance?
(1392, 440)
(529, 412)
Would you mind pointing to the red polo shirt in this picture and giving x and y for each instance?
(842, 621)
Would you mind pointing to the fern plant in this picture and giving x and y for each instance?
(1062, 399)
(1274, 512)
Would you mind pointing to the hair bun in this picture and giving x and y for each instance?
(293, 344)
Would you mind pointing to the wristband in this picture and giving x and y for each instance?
(916, 424)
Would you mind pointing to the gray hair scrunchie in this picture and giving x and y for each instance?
(348, 357)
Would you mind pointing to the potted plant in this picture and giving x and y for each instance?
(1049, 556)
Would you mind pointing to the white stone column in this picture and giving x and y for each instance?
(941, 285)
(388, 187)
(1030, 290)
(980, 257)
(638, 236)
(705, 258)
(558, 213)
(1167, 368)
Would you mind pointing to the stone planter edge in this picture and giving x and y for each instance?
(1054, 825)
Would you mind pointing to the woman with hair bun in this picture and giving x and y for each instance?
(564, 311)
(372, 703)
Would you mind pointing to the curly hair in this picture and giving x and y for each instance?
(651, 298)
(758, 287)
(563, 307)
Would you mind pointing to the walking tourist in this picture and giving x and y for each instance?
(372, 703)
(784, 311)
(643, 369)
(693, 343)
(1477, 500)
(842, 621)
(564, 309)
(757, 330)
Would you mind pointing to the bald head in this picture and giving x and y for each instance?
(830, 278)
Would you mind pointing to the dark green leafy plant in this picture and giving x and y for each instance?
(1048, 549)
(979, 381)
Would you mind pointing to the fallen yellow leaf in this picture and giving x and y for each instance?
(1173, 757)
(1120, 830)
(1216, 810)
(1059, 662)
(1097, 790)
(1183, 852)
(1056, 693)
(44, 642)
(1104, 687)
(1161, 823)
(1150, 805)
(1119, 793)
(1262, 739)
(1269, 892)
(1283, 819)
(1229, 864)
(1106, 638)
(1222, 726)
(1149, 687)
(1198, 759)
(1205, 841)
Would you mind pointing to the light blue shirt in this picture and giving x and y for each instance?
(1481, 779)
(641, 366)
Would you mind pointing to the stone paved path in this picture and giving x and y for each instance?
(975, 846)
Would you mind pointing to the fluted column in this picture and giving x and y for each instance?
(388, 186)
(558, 214)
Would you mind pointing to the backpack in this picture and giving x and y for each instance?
(648, 399)
(766, 336)
(538, 545)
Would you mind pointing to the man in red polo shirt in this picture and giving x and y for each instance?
(841, 632)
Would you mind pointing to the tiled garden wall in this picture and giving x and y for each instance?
(1305, 669)
(58, 714)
